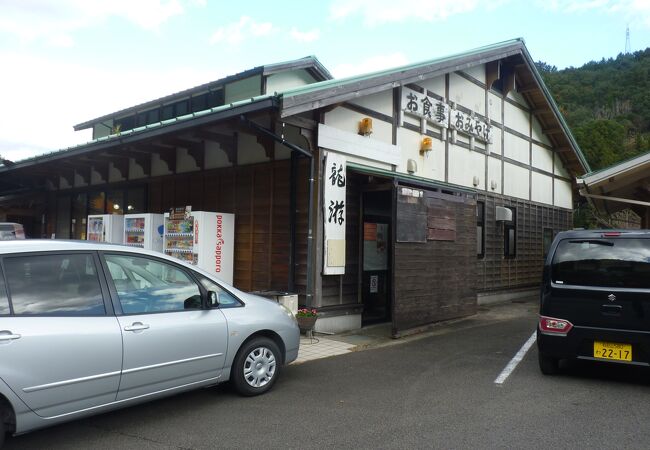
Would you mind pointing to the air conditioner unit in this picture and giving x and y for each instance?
(503, 214)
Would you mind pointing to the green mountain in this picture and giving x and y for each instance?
(606, 104)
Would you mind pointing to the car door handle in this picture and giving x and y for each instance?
(136, 326)
(8, 336)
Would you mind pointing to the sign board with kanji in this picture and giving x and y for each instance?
(433, 110)
(334, 214)
(439, 113)
(468, 124)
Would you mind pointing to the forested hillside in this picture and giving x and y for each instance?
(606, 104)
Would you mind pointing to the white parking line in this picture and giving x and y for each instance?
(505, 373)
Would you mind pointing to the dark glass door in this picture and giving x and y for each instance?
(376, 262)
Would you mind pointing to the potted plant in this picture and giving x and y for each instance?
(306, 319)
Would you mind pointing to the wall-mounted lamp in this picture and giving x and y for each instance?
(365, 126)
(426, 145)
(411, 166)
(475, 181)
(493, 185)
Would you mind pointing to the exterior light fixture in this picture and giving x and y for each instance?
(365, 126)
(426, 145)
(411, 166)
(476, 181)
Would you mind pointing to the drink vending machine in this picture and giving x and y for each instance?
(205, 239)
(144, 231)
(105, 228)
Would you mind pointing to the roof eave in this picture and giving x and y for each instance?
(616, 170)
(253, 105)
(169, 98)
(556, 111)
(310, 63)
(336, 91)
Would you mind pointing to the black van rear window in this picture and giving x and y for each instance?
(621, 262)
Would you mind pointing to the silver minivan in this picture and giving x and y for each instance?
(86, 328)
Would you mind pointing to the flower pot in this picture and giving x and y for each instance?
(306, 323)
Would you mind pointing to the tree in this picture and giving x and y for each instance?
(602, 141)
(543, 67)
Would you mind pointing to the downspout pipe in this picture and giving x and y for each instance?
(310, 220)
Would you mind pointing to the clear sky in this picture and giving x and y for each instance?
(63, 62)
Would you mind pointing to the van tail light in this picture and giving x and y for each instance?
(556, 327)
(611, 234)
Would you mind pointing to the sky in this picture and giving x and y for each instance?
(63, 62)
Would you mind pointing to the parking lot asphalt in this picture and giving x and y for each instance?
(435, 390)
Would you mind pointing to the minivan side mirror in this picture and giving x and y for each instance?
(213, 299)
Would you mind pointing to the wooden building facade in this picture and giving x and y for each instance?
(451, 176)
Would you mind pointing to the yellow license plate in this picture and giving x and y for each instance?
(612, 350)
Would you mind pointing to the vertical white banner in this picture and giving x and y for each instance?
(334, 214)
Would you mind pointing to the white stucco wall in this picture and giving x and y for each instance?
(494, 175)
(465, 164)
(95, 177)
(249, 151)
(516, 96)
(515, 181)
(477, 72)
(494, 107)
(135, 171)
(542, 158)
(537, 133)
(517, 119)
(215, 157)
(563, 194)
(158, 166)
(516, 148)
(542, 188)
(431, 165)
(79, 180)
(281, 81)
(381, 102)
(466, 93)
(184, 162)
(496, 146)
(114, 175)
(348, 120)
(435, 85)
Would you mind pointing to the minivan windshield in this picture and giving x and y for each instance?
(620, 262)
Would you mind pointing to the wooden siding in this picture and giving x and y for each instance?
(259, 196)
(432, 280)
(496, 272)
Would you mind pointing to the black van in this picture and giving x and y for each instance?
(595, 298)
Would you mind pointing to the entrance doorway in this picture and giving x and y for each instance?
(376, 256)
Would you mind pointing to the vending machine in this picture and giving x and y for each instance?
(144, 231)
(205, 239)
(105, 228)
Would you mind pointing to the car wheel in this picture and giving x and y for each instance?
(256, 366)
(548, 365)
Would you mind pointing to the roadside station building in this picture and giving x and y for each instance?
(408, 195)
